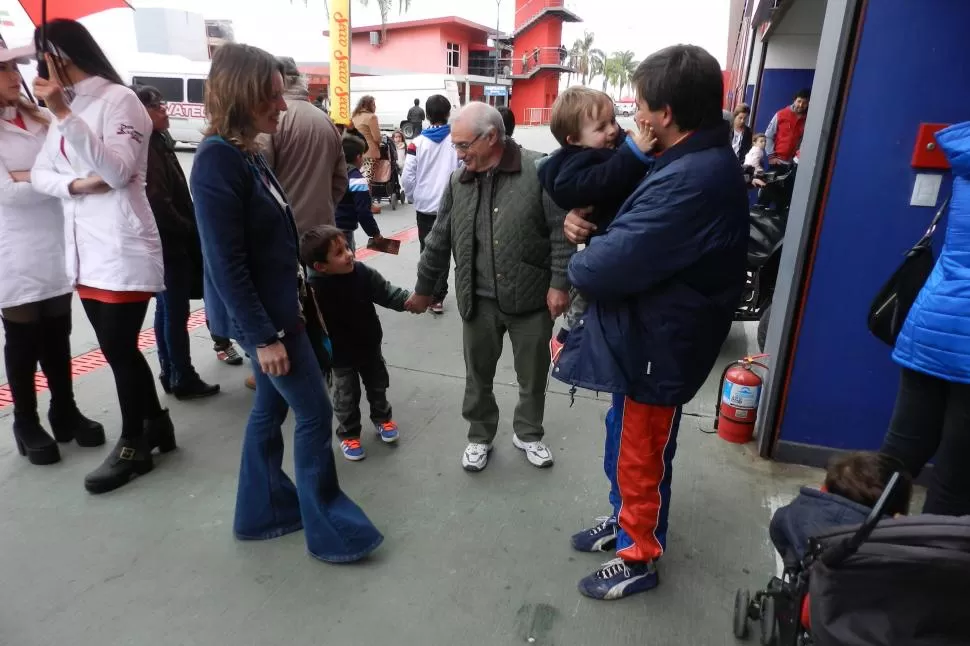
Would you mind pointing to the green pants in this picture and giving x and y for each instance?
(483, 337)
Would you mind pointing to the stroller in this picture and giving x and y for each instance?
(888, 582)
(385, 183)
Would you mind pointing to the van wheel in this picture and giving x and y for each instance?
(407, 129)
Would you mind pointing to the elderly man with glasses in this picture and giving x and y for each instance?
(511, 255)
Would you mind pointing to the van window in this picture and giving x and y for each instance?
(172, 89)
(196, 90)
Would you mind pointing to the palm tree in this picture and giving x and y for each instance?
(583, 54)
(597, 63)
(612, 72)
(626, 66)
(385, 7)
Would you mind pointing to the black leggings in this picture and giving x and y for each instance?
(932, 418)
(117, 326)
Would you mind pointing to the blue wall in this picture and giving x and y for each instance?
(844, 382)
(778, 89)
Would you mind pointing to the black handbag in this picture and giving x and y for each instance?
(892, 304)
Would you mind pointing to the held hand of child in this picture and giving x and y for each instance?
(417, 304)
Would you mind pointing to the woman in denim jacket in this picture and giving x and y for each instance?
(252, 285)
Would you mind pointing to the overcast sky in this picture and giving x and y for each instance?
(294, 29)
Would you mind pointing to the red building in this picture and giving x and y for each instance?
(539, 57)
(451, 46)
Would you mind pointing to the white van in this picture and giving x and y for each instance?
(395, 95)
(182, 84)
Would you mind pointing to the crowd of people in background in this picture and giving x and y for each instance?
(638, 237)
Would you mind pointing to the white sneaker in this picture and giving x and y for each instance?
(537, 452)
(475, 457)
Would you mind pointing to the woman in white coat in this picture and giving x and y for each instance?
(95, 159)
(35, 288)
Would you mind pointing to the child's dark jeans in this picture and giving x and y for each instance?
(346, 394)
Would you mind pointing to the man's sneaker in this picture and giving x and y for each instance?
(228, 355)
(352, 449)
(475, 457)
(601, 538)
(617, 579)
(388, 431)
(537, 452)
(437, 308)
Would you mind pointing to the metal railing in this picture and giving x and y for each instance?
(537, 116)
(486, 67)
(529, 60)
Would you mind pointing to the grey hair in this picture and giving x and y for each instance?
(483, 118)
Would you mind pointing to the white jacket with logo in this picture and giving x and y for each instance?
(115, 244)
(428, 165)
(33, 264)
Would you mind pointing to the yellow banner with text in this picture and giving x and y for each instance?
(340, 61)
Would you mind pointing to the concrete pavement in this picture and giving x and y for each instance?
(469, 559)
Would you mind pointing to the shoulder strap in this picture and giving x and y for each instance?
(936, 219)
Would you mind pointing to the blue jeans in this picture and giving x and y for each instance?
(171, 335)
(268, 504)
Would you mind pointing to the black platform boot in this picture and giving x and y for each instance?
(65, 418)
(131, 457)
(160, 433)
(20, 356)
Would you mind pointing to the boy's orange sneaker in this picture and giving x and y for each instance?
(388, 431)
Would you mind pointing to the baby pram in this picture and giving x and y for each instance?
(384, 184)
(887, 582)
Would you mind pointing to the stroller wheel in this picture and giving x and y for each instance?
(769, 623)
(742, 600)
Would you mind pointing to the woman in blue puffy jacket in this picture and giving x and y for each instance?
(932, 413)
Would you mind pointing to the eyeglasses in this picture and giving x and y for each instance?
(464, 146)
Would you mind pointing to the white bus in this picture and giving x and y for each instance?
(182, 84)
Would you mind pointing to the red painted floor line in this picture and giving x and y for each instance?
(90, 361)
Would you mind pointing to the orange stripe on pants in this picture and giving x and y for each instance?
(647, 444)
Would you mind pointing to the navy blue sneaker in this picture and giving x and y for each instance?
(601, 538)
(617, 579)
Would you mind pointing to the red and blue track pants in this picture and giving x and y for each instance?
(641, 440)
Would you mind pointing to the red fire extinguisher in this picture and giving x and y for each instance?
(737, 404)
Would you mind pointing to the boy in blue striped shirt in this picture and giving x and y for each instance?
(355, 207)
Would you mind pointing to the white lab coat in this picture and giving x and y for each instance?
(33, 263)
(116, 246)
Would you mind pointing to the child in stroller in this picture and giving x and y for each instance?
(385, 183)
(859, 488)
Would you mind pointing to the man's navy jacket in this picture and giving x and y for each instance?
(665, 278)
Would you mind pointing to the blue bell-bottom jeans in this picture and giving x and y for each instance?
(268, 503)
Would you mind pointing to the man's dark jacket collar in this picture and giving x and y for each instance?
(698, 140)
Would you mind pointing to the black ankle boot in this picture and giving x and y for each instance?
(194, 388)
(73, 425)
(131, 457)
(160, 433)
(33, 441)
(20, 355)
(163, 379)
(66, 420)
